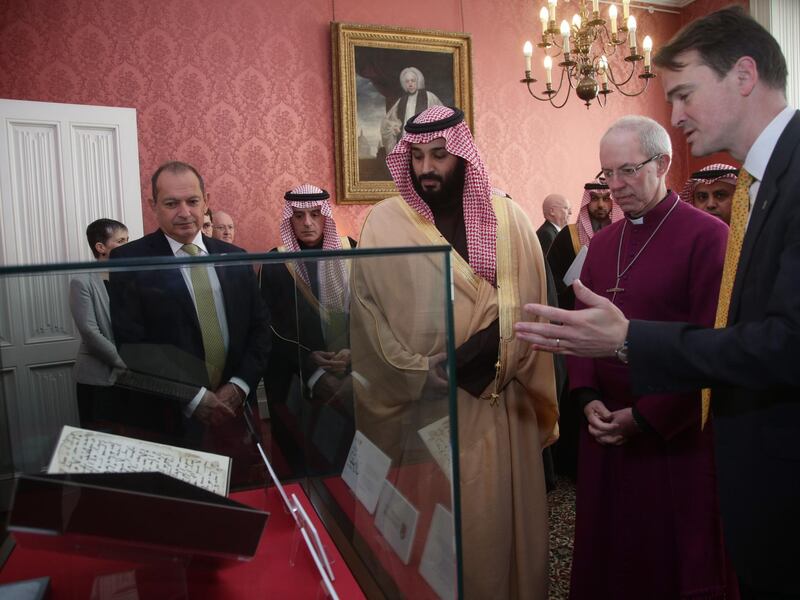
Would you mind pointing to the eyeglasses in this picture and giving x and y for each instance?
(625, 172)
(223, 227)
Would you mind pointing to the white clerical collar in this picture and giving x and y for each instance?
(760, 152)
(177, 246)
(637, 220)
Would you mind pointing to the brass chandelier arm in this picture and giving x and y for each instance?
(550, 93)
(569, 90)
(532, 93)
(619, 84)
(641, 91)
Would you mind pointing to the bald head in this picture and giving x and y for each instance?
(555, 209)
(223, 226)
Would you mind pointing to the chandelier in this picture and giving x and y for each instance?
(584, 49)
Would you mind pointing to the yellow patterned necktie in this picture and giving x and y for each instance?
(740, 207)
(213, 345)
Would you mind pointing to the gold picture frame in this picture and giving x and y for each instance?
(367, 94)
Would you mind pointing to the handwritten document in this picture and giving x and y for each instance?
(85, 451)
(438, 563)
(436, 436)
(396, 518)
(365, 469)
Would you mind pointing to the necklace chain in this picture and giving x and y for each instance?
(633, 260)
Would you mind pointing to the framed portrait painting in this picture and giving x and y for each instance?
(381, 77)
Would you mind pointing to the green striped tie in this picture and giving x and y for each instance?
(209, 322)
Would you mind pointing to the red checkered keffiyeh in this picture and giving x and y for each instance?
(479, 218)
(332, 275)
(585, 230)
(713, 173)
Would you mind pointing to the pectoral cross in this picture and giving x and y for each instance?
(614, 290)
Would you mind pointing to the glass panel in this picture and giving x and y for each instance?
(355, 352)
(360, 407)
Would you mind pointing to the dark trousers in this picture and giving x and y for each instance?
(748, 593)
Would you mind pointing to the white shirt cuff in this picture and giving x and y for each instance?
(361, 379)
(189, 409)
(240, 383)
(312, 381)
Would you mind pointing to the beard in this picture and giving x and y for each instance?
(599, 215)
(598, 224)
(451, 187)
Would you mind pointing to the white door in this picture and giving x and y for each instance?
(62, 166)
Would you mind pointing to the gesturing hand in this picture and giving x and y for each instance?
(595, 331)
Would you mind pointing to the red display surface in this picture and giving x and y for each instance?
(424, 486)
(268, 575)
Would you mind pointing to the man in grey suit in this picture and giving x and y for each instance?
(97, 360)
(725, 77)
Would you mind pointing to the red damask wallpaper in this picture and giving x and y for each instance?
(242, 89)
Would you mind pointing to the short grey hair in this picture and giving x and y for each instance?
(653, 138)
(417, 73)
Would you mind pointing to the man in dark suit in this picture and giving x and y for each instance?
(195, 338)
(308, 377)
(725, 77)
(556, 212)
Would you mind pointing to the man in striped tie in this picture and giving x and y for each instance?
(196, 335)
(725, 76)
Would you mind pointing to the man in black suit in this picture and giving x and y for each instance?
(556, 212)
(725, 77)
(195, 338)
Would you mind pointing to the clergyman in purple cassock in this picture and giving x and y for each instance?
(647, 523)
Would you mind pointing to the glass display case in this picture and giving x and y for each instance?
(328, 401)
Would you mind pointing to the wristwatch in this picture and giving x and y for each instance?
(622, 353)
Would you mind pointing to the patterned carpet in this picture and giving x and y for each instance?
(561, 503)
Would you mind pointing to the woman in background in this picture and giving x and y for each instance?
(97, 360)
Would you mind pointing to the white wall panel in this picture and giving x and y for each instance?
(37, 192)
(49, 404)
(96, 172)
(5, 314)
(45, 310)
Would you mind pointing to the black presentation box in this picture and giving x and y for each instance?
(137, 515)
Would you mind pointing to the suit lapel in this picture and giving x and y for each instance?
(765, 202)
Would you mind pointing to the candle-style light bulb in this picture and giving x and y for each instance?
(565, 35)
(543, 16)
(527, 50)
(632, 31)
(596, 6)
(552, 9)
(576, 21)
(626, 8)
(647, 44)
(612, 16)
(548, 68)
(603, 69)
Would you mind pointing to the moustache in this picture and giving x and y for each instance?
(431, 177)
